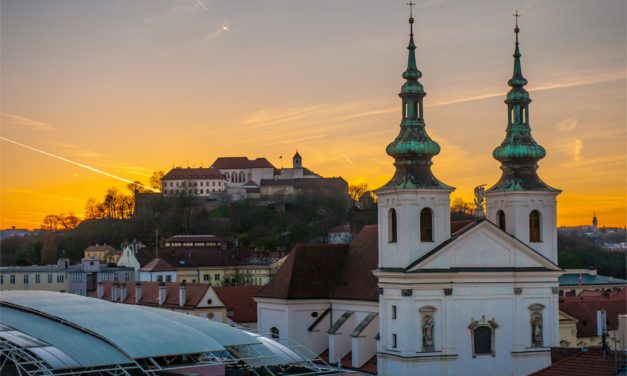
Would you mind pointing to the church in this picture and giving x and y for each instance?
(421, 295)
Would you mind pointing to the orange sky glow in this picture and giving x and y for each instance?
(95, 94)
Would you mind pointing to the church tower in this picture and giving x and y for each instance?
(297, 160)
(520, 202)
(414, 206)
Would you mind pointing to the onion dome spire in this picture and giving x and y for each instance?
(519, 153)
(413, 149)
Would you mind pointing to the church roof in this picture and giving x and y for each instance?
(240, 163)
(240, 300)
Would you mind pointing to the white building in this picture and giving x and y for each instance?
(476, 298)
(199, 182)
(157, 270)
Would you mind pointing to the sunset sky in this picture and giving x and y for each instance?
(125, 88)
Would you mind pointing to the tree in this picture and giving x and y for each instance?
(51, 222)
(69, 221)
(155, 180)
(137, 187)
(48, 249)
(355, 191)
(461, 209)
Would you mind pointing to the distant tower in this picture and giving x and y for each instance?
(414, 206)
(297, 161)
(520, 202)
(595, 222)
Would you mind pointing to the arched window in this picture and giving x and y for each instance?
(234, 177)
(500, 218)
(534, 226)
(227, 176)
(426, 225)
(241, 177)
(274, 332)
(392, 226)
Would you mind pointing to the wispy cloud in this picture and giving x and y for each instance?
(90, 168)
(16, 121)
(40, 193)
(577, 146)
(568, 124)
(202, 5)
(344, 156)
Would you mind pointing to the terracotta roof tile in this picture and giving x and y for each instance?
(584, 310)
(585, 363)
(188, 173)
(157, 265)
(240, 300)
(226, 163)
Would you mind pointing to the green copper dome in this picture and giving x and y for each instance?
(519, 153)
(413, 149)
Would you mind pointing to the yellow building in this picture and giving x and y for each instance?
(105, 253)
(46, 277)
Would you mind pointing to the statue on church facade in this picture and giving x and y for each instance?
(479, 199)
(427, 334)
(536, 329)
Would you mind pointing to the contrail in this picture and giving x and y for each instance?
(78, 164)
(202, 5)
(345, 157)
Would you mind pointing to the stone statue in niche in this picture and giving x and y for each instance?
(479, 199)
(427, 334)
(536, 329)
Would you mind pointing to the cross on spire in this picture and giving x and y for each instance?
(516, 14)
(411, 5)
(411, 17)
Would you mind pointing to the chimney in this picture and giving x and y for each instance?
(100, 290)
(162, 293)
(138, 292)
(123, 292)
(182, 294)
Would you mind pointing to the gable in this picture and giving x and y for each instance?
(484, 246)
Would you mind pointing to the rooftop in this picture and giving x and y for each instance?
(240, 163)
(584, 363)
(180, 173)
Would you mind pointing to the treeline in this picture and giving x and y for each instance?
(578, 252)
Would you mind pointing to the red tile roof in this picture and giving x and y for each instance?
(240, 300)
(188, 173)
(585, 363)
(193, 256)
(194, 293)
(195, 238)
(308, 272)
(240, 163)
(158, 265)
(356, 281)
(584, 309)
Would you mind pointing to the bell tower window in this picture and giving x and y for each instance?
(534, 227)
(426, 225)
(500, 217)
(392, 226)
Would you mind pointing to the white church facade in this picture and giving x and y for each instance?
(472, 298)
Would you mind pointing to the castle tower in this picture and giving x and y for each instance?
(520, 202)
(297, 160)
(414, 206)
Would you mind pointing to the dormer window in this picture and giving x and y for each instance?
(392, 226)
(426, 225)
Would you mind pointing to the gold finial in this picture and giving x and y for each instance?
(516, 29)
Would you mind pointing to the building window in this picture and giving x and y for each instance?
(159, 278)
(482, 333)
(274, 332)
(205, 277)
(26, 279)
(127, 276)
(534, 227)
(392, 226)
(426, 225)
(500, 217)
(115, 276)
(168, 278)
(12, 279)
(393, 312)
(216, 277)
(49, 278)
(1, 279)
(394, 341)
(37, 278)
(60, 278)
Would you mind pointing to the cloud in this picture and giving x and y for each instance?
(577, 146)
(202, 5)
(16, 121)
(568, 124)
(44, 194)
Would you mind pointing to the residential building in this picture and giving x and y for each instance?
(106, 254)
(82, 278)
(36, 277)
(157, 270)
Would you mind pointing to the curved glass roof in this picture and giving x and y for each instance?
(138, 333)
